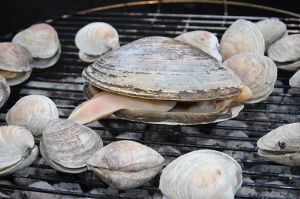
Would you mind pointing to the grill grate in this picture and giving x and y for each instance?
(63, 83)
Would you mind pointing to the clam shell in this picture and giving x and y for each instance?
(204, 40)
(125, 164)
(33, 112)
(96, 39)
(242, 36)
(46, 62)
(201, 174)
(16, 59)
(4, 91)
(67, 145)
(165, 69)
(17, 149)
(272, 30)
(258, 72)
(295, 80)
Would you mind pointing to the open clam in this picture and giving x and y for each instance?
(204, 40)
(258, 72)
(17, 149)
(201, 174)
(125, 164)
(164, 72)
(4, 91)
(33, 112)
(95, 39)
(42, 42)
(67, 145)
(281, 145)
(242, 36)
(15, 63)
(286, 52)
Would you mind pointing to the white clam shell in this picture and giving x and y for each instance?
(295, 80)
(33, 112)
(4, 91)
(67, 145)
(204, 40)
(96, 39)
(17, 149)
(242, 36)
(125, 164)
(204, 174)
(258, 72)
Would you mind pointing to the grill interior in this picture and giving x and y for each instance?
(63, 84)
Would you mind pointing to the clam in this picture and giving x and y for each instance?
(272, 30)
(67, 145)
(295, 80)
(204, 40)
(242, 36)
(281, 145)
(33, 112)
(4, 91)
(201, 174)
(42, 42)
(17, 149)
(15, 63)
(258, 72)
(286, 52)
(143, 80)
(125, 164)
(95, 39)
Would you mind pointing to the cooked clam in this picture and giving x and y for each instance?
(95, 39)
(272, 30)
(201, 174)
(17, 149)
(42, 42)
(258, 72)
(204, 40)
(295, 80)
(67, 145)
(286, 52)
(242, 36)
(281, 145)
(4, 91)
(33, 112)
(160, 71)
(15, 63)
(125, 164)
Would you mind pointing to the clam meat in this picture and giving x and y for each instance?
(42, 42)
(4, 91)
(15, 63)
(33, 112)
(158, 80)
(66, 145)
(242, 36)
(204, 40)
(95, 39)
(125, 164)
(204, 174)
(258, 72)
(17, 149)
(281, 145)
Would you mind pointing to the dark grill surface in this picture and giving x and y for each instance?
(63, 84)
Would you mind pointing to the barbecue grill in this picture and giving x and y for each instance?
(63, 84)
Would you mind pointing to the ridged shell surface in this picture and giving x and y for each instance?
(204, 174)
(242, 36)
(163, 68)
(4, 91)
(33, 112)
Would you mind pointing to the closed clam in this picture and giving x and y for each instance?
(204, 40)
(258, 72)
(96, 39)
(4, 91)
(33, 112)
(67, 145)
(17, 149)
(125, 164)
(286, 52)
(281, 145)
(42, 42)
(15, 63)
(242, 36)
(204, 174)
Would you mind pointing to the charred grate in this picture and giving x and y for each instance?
(63, 83)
